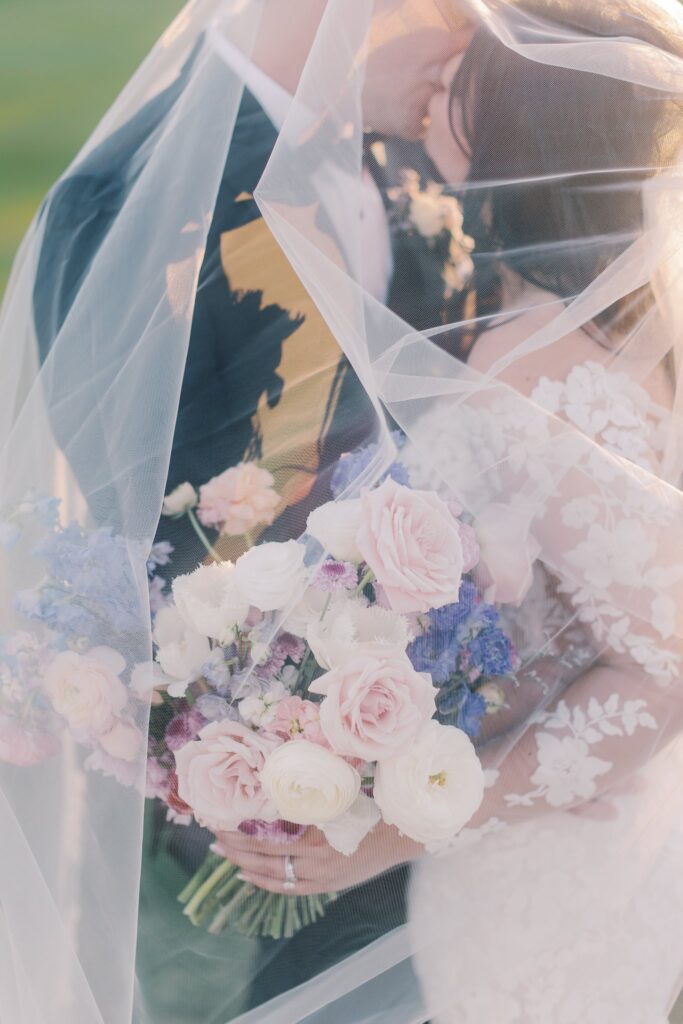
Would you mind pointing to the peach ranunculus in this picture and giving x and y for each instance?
(22, 745)
(375, 704)
(298, 719)
(86, 689)
(412, 543)
(218, 775)
(238, 500)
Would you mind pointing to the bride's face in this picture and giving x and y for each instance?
(444, 125)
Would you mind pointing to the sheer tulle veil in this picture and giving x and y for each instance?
(543, 396)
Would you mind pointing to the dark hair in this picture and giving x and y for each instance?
(572, 150)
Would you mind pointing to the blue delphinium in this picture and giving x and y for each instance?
(458, 705)
(491, 652)
(438, 649)
(92, 584)
(350, 466)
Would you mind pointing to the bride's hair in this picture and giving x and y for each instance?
(558, 158)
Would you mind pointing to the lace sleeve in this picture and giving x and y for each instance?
(605, 726)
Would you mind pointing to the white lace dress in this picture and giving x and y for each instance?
(565, 905)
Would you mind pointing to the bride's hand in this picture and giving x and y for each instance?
(318, 867)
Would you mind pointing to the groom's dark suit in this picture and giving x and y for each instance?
(258, 350)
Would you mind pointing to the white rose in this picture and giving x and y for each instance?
(309, 784)
(271, 575)
(179, 501)
(182, 651)
(86, 688)
(350, 624)
(335, 526)
(347, 832)
(210, 601)
(432, 790)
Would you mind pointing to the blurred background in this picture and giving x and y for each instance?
(62, 63)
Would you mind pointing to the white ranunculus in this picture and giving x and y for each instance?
(348, 831)
(182, 651)
(309, 784)
(210, 601)
(271, 575)
(335, 526)
(179, 501)
(86, 689)
(432, 790)
(349, 624)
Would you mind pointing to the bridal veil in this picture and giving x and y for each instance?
(542, 392)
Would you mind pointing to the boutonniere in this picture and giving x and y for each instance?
(431, 224)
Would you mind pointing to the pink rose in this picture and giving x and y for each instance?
(24, 746)
(298, 719)
(508, 553)
(412, 543)
(86, 689)
(238, 499)
(218, 775)
(375, 704)
(123, 740)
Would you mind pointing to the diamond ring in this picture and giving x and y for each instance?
(290, 874)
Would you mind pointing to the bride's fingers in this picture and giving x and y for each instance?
(303, 887)
(235, 841)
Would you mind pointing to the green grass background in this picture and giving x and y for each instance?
(62, 63)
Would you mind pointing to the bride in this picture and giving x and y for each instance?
(540, 915)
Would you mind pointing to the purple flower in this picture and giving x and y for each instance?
(274, 831)
(435, 652)
(438, 649)
(182, 729)
(491, 652)
(214, 708)
(333, 576)
(351, 465)
(470, 714)
(159, 555)
(283, 647)
(216, 670)
(458, 705)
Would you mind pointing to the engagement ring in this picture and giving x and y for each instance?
(290, 874)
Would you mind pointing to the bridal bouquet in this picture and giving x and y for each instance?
(330, 684)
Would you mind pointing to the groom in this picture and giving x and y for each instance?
(255, 338)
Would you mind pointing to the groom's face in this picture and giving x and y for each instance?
(409, 46)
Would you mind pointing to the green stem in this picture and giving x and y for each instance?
(367, 577)
(207, 887)
(199, 878)
(202, 536)
(231, 907)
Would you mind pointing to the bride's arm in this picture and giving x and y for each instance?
(606, 726)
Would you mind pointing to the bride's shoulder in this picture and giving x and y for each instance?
(559, 360)
(555, 360)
